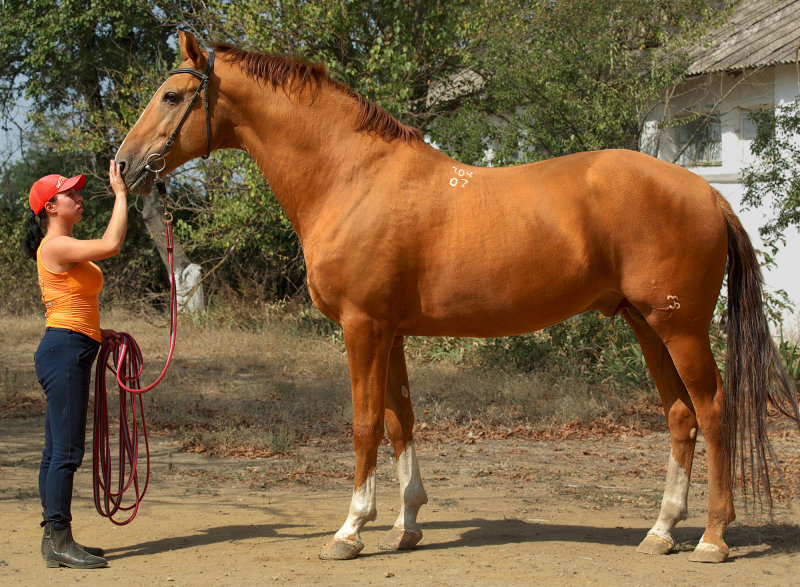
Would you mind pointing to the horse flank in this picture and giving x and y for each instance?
(285, 72)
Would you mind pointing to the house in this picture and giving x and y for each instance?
(704, 124)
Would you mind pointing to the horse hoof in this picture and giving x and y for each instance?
(341, 550)
(709, 553)
(400, 539)
(653, 544)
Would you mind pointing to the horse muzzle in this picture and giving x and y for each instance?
(140, 177)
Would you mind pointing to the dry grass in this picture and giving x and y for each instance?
(262, 390)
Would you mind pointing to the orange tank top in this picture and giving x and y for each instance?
(71, 297)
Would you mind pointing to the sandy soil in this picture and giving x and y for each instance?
(506, 512)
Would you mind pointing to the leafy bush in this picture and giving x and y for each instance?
(589, 346)
(789, 353)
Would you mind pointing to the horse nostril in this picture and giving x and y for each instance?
(121, 165)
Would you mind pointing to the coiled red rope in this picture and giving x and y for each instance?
(127, 367)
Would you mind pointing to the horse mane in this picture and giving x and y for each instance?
(281, 71)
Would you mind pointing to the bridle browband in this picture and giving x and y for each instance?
(204, 83)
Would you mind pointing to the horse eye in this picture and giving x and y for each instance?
(171, 98)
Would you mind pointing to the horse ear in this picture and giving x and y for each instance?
(190, 50)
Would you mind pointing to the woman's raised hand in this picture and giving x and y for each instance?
(115, 179)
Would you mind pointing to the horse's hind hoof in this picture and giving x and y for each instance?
(709, 553)
(341, 550)
(400, 539)
(654, 544)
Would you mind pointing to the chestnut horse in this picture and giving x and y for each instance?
(399, 239)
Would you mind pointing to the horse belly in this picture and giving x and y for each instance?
(487, 300)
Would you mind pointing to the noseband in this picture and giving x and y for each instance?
(153, 158)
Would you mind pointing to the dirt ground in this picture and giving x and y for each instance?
(508, 512)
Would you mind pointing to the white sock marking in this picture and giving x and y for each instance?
(674, 507)
(362, 510)
(412, 492)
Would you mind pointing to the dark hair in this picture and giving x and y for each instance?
(34, 233)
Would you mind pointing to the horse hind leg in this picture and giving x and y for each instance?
(399, 418)
(682, 425)
(694, 361)
(686, 339)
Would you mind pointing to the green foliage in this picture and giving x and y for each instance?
(789, 353)
(588, 346)
(387, 50)
(18, 290)
(62, 52)
(236, 219)
(562, 77)
(775, 177)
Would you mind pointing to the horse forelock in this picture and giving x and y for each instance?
(287, 72)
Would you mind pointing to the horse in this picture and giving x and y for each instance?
(399, 239)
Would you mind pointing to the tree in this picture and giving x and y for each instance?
(86, 66)
(561, 77)
(775, 175)
(388, 50)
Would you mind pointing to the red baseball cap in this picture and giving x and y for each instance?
(45, 188)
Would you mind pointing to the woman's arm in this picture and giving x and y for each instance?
(65, 250)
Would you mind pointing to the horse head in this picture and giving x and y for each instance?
(177, 125)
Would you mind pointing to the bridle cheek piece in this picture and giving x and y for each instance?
(155, 162)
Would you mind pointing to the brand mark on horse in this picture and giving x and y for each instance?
(459, 179)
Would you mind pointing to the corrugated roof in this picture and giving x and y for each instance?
(759, 33)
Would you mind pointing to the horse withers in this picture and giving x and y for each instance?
(400, 239)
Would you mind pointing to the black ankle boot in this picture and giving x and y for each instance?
(48, 527)
(61, 550)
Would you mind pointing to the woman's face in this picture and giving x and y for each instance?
(68, 205)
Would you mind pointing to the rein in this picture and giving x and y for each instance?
(128, 363)
(127, 366)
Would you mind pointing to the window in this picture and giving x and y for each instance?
(749, 128)
(757, 123)
(700, 142)
(752, 119)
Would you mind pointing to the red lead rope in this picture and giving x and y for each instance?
(127, 358)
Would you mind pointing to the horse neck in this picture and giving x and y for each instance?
(303, 143)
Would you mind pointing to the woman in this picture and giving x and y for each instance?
(70, 284)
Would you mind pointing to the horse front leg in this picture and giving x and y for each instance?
(368, 345)
(399, 415)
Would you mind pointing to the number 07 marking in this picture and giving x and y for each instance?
(459, 179)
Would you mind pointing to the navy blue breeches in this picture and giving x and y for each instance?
(64, 368)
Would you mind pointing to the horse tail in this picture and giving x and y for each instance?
(754, 373)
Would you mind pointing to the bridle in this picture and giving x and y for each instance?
(204, 78)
